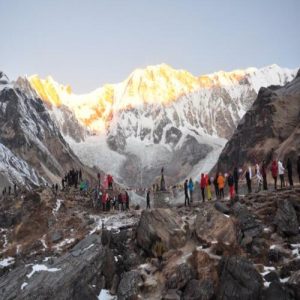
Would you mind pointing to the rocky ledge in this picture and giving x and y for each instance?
(246, 249)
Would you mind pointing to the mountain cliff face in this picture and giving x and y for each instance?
(270, 127)
(146, 121)
(33, 149)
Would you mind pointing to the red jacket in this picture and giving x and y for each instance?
(274, 169)
(203, 182)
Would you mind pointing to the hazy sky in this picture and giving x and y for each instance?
(87, 43)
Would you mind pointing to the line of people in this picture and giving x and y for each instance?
(232, 180)
(102, 199)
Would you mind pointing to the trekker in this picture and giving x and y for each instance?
(258, 177)
(15, 189)
(221, 184)
(281, 170)
(123, 201)
(104, 199)
(9, 190)
(290, 172)
(127, 200)
(208, 183)
(191, 189)
(274, 170)
(148, 199)
(120, 202)
(216, 186)
(202, 186)
(298, 167)
(264, 175)
(230, 181)
(236, 180)
(56, 188)
(186, 194)
(248, 177)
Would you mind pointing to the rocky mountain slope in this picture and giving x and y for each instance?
(158, 117)
(271, 127)
(247, 250)
(33, 148)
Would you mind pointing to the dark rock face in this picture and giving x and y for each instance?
(199, 290)
(182, 275)
(129, 285)
(28, 131)
(246, 226)
(278, 291)
(69, 278)
(286, 218)
(222, 207)
(32, 196)
(260, 134)
(238, 279)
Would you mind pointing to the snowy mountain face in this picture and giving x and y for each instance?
(33, 150)
(157, 117)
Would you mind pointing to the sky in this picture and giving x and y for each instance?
(93, 42)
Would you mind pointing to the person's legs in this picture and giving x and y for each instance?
(236, 187)
(203, 194)
(290, 179)
(275, 183)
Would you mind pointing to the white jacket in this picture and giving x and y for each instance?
(280, 168)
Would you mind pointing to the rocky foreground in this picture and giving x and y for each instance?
(59, 247)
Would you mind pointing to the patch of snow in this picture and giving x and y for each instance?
(47, 258)
(24, 284)
(57, 207)
(105, 295)
(43, 241)
(89, 247)
(39, 268)
(7, 262)
(63, 243)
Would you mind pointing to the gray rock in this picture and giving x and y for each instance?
(199, 290)
(222, 207)
(286, 218)
(129, 286)
(278, 291)
(180, 277)
(56, 236)
(238, 279)
(172, 294)
(70, 280)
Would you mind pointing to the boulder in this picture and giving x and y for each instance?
(199, 290)
(56, 236)
(204, 266)
(212, 225)
(68, 278)
(294, 283)
(286, 218)
(172, 294)
(222, 207)
(238, 279)
(181, 275)
(129, 286)
(162, 223)
(278, 291)
(246, 224)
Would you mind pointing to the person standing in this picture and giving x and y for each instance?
(289, 167)
(208, 183)
(148, 199)
(186, 194)
(216, 186)
(248, 177)
(274, 170)
(236, 180)
(281, 170)
(191, 189)
(202, 186)
(298, 167)
(221, 184)
(230, 181)
(264, 175)
(258, 177)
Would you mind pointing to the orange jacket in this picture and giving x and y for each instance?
(221, 182)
